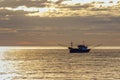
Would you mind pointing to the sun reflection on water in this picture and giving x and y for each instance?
(3, 49)
(7, 67)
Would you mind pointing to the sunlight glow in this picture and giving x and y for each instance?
(104, 3)
(44, 12)
(35, 10)
(6, 48)
(32, 9)
(107, 47)
(24, 8)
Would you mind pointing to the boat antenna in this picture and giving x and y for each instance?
(71, 44)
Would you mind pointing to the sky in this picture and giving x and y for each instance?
(53, 22)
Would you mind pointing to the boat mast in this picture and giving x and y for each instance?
(83, 42)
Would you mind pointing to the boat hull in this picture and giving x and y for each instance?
(79, 51)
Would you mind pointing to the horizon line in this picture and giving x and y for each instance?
(54, 47)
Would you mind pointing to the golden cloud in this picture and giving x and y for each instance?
(7, 30)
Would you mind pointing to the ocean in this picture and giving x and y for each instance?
(59, 64)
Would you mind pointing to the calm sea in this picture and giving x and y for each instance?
(59, 64)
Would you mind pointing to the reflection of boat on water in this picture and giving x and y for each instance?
(80, 49)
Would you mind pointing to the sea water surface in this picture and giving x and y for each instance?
(25, 63)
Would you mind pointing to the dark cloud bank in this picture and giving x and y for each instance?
(28, 3)
(51, 31)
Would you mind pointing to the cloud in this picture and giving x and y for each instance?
(24, 43)
(60, 1)
(74, 20)
(77, 6)
(7, 13)
(28, 3)
(57, 8)
(7, 30)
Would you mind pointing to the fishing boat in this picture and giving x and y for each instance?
(80, 48)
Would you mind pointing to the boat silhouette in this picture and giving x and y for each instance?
(80, 48)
